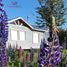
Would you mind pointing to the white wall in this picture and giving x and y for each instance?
(28, 38)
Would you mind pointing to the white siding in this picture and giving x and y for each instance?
(28, 42)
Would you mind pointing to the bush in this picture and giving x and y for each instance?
(16, 63)
(63, 62)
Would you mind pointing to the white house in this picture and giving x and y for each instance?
(21, 33)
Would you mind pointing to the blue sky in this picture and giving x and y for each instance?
(65, 5)
(24, 9)
(27, 8)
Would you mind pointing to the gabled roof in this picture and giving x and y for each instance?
(32, 27)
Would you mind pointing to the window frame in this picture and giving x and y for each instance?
(11, 34)
(33, 38)
(24, 34)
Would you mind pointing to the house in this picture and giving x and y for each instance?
(21, 33)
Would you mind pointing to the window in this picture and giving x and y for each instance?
(35, 37)
(13, 34)
(22, 35)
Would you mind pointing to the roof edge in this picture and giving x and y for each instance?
(26, 23)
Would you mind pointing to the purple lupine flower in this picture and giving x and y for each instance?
(49, 55)
(3, 36)
(43, 56)
(20, 51)
(66, 65)
(11, 51)
(31, 54)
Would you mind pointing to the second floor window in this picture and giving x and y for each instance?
(35, 37)
(22, 35)
(13, 34)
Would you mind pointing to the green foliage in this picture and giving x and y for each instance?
(15, 54)
(62, 36)
(33, 64)
(48, 8)
(16, 63)
(63, 62)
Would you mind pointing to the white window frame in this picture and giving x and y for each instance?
(24, 37)
(35, 37)
(16, 35)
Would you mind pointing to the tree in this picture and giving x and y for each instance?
(48, 8)
(62, 36)
(3, 36)
(51, 12)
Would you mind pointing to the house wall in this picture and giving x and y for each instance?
(28, 37)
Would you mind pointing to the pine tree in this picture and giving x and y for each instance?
(3, 36)
(48, 8)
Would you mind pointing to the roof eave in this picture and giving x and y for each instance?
(27, 24)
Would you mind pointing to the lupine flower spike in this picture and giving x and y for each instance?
(3, 36)
(49, 55)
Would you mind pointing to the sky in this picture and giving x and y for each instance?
(25, 9)
(65, 6)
